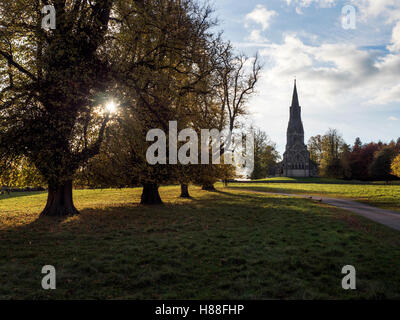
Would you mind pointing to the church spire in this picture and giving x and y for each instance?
(295, 99)
(295, 124)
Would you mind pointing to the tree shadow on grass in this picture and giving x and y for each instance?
(20, 194)
(171, 217)
(264, 195)
(266, 190)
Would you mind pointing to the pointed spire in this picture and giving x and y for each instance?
(295, 100)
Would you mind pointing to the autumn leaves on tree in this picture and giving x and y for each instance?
(371, 161)
(158, 59)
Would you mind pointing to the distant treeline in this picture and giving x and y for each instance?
(361, 161)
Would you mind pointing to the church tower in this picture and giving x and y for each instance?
(296, 159)
(295, 131)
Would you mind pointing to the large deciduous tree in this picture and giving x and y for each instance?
(315, 148)
(380, 167)
(265, 155)
(171, 61)
(333, 163)
(236, 78)
(54, 80)
(361, 158)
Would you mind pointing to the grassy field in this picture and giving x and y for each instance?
(308, 180)
(224, 245)
(376, 194)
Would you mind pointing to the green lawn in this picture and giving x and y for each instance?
(379, 195)
(224, 245)
(308, 180)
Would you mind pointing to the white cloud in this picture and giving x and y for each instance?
(393, 118)
(336, 69)
(256, 36)
(306, 3)
(387, 94)
(390, 9)
(260, 15)
(395, 38)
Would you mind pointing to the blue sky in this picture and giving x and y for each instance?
(347, 79)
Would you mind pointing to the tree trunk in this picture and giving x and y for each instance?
(150, 195)
(185, 191)
(208, 187)
(60, 202)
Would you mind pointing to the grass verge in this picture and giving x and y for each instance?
(382, 196)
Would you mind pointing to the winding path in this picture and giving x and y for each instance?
(388, 218)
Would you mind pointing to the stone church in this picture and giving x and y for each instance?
(296, 159)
